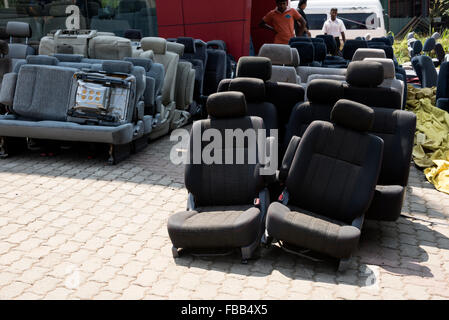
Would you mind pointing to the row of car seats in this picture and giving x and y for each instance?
(332, 176)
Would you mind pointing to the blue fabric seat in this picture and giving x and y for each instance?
(443, 87)
(425, 70)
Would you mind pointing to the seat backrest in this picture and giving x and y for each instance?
(363, 85)
(351, 46)
(443, 81)
(429, 45)
(389, 53)
(305, 72)
(215, 70)
(417, 47)
(299, 39)
(224, 184)
(255, 96)
(336, 165)
(330, 42)
(425, 70)
(44, 81)
(306, 52)
(5, 62)
(363, 53)
(168, 59)
(320, 50)
(322, 94)
(109, 48)
(385, 40)
(439, 51)
(390, 80)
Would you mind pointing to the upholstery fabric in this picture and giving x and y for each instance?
(279, 54)
(109, 48)
(306, 229)
(215, 227)
(352, 115)
(365, 73)
(351, 46)
(363, 53)
(254, 67)
(18, 29)
(387, 203)
(157, 45)
(43, 60)
(226, 105)
(68, 57)
(325, 91)
(425, 70)
(189, 44)
(35, 83)
(117, 66)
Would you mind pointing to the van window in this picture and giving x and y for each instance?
(359, 20)
(116, 16)
(316, 21)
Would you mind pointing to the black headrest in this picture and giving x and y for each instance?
(189, 44)
(306, 51)
(252, 88)
(217, 44)
(18, 29)
(141, 62)
(43, 60)
(320, 51)
(133, 34)
(4, 48)
(254, 67)
(116, 66)
(365, 73)
(429, 45)
(318, 40)
(299, 39)
(352, 115)
(384, 40)
(229, 104)
(325, 91)
(64, 57)
(389, 53)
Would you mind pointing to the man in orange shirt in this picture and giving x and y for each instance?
(281, 21)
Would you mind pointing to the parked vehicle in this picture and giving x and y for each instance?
(360, 18)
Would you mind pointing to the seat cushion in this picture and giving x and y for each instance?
(387, 203)
(215, 227)
(306, 229)
(66, 131)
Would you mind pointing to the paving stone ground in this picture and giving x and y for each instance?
(73, 228)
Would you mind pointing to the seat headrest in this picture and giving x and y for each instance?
(362, 53)
(325, 91)
(410, 35)
(140, 62)
(306, 51)
(387, 64)
(217, 44)
(254, 67)
(352, 115)
(117, 66)
(175, 47)
(158, 45)
(58, 10)
(253, 89)
(279, 54)
(189, 44)
(429, 45)
(417, 47)
(63, 57)
(436, 35)
(133, 34)
(229, 104)
(299, 39)
(18, 29)
(365, 74)
(42, 60)
(295, 57)
(4, 48)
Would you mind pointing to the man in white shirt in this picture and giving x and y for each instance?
(335, 27)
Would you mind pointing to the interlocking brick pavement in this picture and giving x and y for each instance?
(73, 228)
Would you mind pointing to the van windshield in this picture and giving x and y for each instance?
(359, 20)
(316, 21)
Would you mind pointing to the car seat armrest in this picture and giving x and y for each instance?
(8, 88)
(268, 170)
(288, 159)
(190, 202)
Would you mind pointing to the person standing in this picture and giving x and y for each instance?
(302, 5)
(335, 27)
(281, 21)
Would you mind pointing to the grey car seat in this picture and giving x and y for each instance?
(222, 212)
(216, 67)
(18, 51)
(331, 174)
